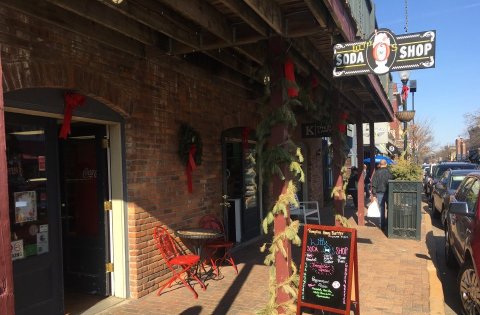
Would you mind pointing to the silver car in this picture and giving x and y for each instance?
(444, 189)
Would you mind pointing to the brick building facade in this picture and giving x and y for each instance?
(141, 103)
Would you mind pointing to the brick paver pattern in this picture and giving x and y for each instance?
(392, 274)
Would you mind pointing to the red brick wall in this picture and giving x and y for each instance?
(154, 96)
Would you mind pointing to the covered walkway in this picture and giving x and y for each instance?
(394, 279)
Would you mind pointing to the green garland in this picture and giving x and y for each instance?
(271, 160)
(187, 137)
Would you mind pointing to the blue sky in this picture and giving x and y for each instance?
(450, 90)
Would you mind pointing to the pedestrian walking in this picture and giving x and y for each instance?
(380, 189)
(366, 179)
(352, 188)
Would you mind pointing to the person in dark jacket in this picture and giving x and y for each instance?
(367, 175)
(380, 189)
(352, 185)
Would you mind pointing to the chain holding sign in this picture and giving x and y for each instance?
(385, 52)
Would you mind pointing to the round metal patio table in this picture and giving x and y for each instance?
(198, 237)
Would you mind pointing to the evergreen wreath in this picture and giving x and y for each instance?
(187, 137)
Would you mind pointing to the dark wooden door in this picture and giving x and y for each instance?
(32, 161)
(84, 220)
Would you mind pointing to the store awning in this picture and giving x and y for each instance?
(381, 148)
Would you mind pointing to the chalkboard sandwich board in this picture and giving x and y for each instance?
(329, 263)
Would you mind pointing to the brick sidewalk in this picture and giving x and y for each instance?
(393, 279)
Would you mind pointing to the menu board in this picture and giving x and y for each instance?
(326, 268)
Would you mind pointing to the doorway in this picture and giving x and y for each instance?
(60, 229)
(242, 218)
(85, 195)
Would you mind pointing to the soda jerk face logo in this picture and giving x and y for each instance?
(381, 51)
(384, 52)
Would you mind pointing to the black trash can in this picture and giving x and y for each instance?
(404, 209)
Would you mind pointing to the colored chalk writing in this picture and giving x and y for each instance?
(327, 256)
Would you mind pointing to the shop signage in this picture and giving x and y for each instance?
(385, 52)
(316, 130)
(17, 250)
(380, 132)
(392, 148)
(328, 270)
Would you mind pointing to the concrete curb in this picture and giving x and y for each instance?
(437, 303)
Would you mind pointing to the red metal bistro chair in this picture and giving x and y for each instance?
(214, 246)
(177, 263)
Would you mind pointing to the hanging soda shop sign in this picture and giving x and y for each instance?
(385, 52)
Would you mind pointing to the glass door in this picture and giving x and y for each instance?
(83, 163)
(34, 215)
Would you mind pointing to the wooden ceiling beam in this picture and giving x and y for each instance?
(77, 24)
(317, 11)
(252, 47)
(306, 49)
(247, 15)
(303, 32)
(210, 19)
(227, 58)
(103, 15)
(212, 67)
(150, 14)
(255, 51)
(270, 12)
(205, 15)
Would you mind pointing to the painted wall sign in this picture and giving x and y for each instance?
(329, 261)
(316, 130)
(385, 52)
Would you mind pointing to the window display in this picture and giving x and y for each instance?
(26, 163)
(250, 179)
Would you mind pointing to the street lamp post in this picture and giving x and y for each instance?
(405, 115)
(404, 76)
(413, 89)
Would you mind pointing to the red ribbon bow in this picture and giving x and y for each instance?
(342, 125)
(405, 90)
(191, 166)
(292, 90)
(72, 101)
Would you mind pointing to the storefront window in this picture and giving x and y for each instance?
(27, 187)
(250, 179)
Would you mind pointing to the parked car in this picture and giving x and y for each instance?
(444, 189)
(439, 169)
(462, 241)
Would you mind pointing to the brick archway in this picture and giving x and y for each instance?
(22, 75)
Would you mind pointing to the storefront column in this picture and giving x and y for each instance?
(314, 170)
(371, 127)
(6, 271)
(339, 197)
(361, 173)
(279, 135)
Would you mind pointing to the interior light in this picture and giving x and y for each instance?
(27, 133)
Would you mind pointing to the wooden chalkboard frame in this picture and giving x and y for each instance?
(352, 272)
